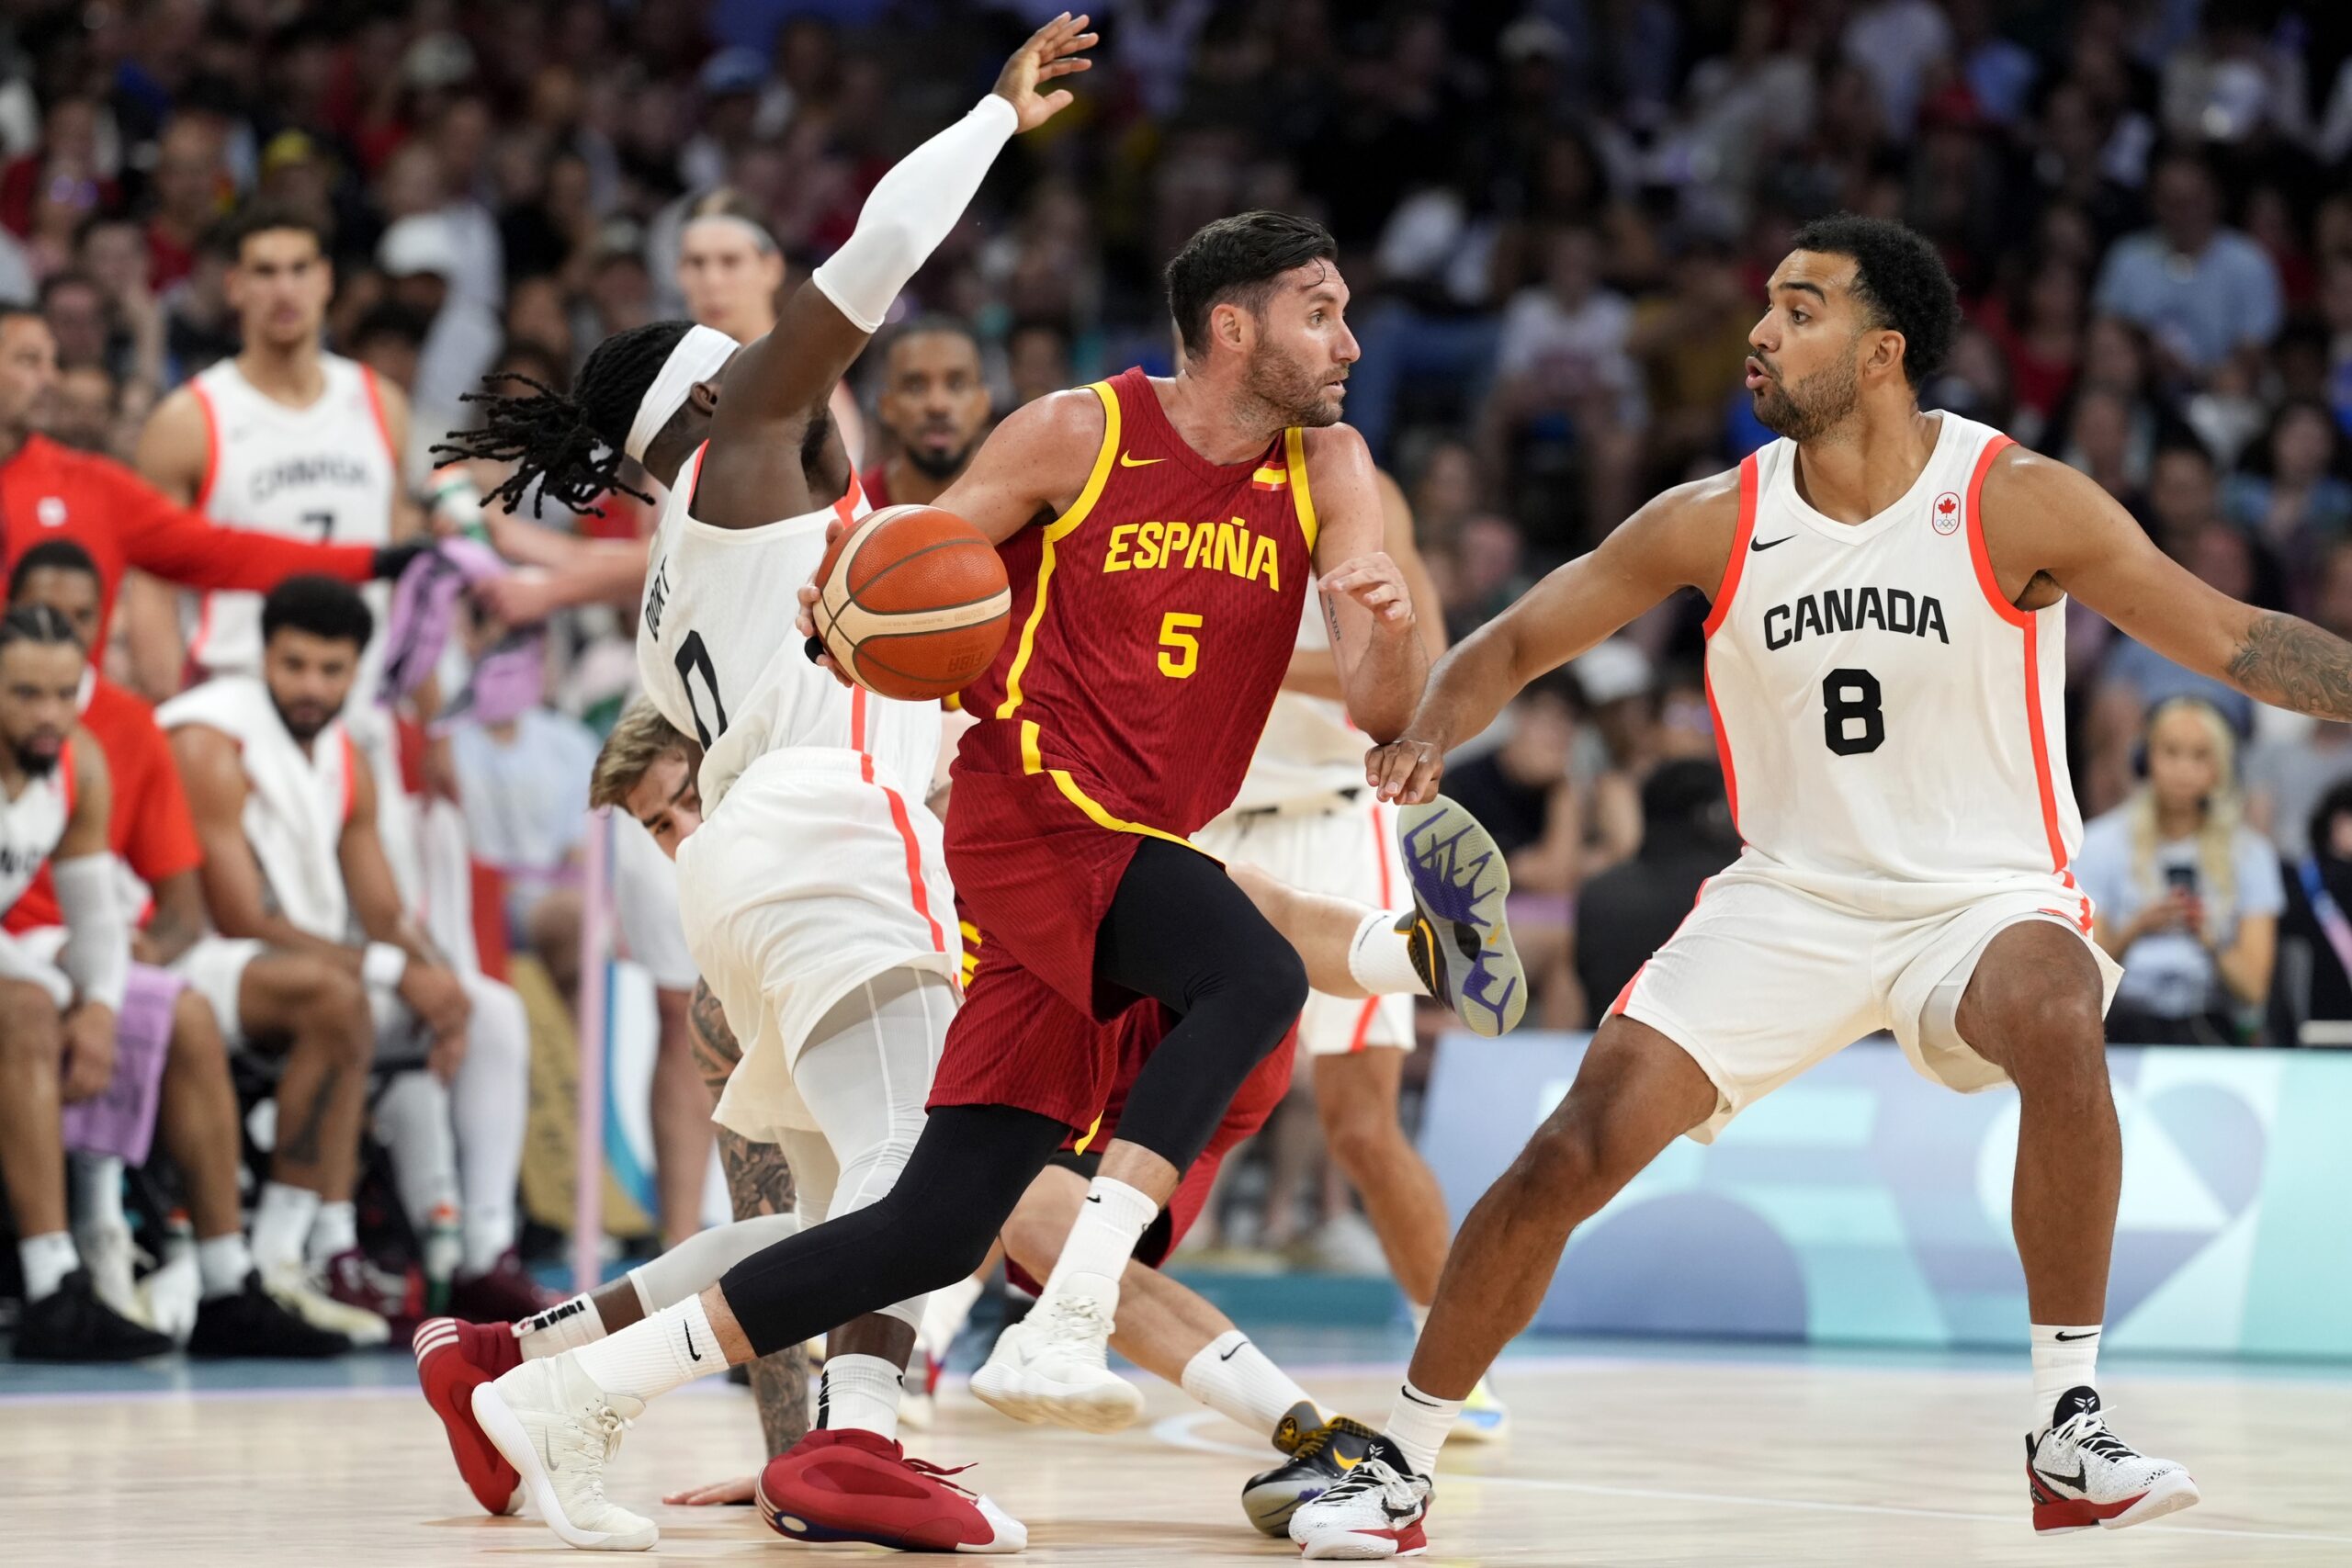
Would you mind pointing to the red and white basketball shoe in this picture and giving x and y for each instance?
(2080, 1474)
(453, 1358)
(847, 1484)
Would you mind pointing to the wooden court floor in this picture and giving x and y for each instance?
(1612, 1461)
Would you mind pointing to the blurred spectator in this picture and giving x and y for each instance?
(1627, 912)
(2293, 495)
(2203, 291)
(2038, 326)
(76, 311)
(1037, 361)
(2295, 760)
(83, 416)
(1486, 572)
(2187, 896)
(419, 257)
(1563, 376)
(191, 188)
(1617, 748)
(1692, 340)
(2312, 1000)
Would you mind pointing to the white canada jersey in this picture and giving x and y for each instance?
(1309, 750)
(325, 472)
(32, 825)
(722, 659)
(1892, 727)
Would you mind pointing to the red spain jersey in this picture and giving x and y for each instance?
(1152, 624)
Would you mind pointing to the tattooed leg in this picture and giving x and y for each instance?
(758, 1182)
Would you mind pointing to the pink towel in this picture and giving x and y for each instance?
(121, 1120)
(425, 610)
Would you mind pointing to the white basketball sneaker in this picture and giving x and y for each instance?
(1373, 1512)
(559, 1430)
(291, 1285)
(2080, 1474)
(1053, 1365)
(112, 1258)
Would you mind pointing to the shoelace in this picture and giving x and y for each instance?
(600, 1428)
(1373, 1474)
(1078, 1324)
(939, 1473)
(2087, 1431)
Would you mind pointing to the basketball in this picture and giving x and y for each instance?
(913, 602)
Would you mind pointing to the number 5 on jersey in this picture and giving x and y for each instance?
(1180, 651)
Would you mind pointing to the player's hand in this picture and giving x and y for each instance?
(814, 646)
(1406, 770)
(433, 994)
(737, 1491)
(89, 1052)
(1375, 582)
(1047, 54)
(519, 598)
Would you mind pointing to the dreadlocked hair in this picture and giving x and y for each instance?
(568, 447)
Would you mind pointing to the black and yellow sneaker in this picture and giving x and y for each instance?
(1459, 939)
(1321, 1453)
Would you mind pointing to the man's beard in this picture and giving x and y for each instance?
(36, 764)
(938, 465)
(304, 731)
(1289, 391)
(1803, 410)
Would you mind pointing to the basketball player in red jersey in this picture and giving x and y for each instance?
(1886, 661)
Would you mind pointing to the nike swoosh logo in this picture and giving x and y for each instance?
(1345, 1464)
(1129, 460)
(1235, 1351)
(690, 1343)
(2081, 1472)
(2064, 1335)
(1094, 1197)
(1768, 544)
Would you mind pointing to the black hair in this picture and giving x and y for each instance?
(933, 324)
(1899, 280)
(37, 624)
(57, 282)
(1235, 261)
(268, 218)
(2336, 803)
(568, 445)
(319, 606)
(16, 309)
(51, 555)
(392, 318)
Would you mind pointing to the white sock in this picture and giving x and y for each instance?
(1378, 958)
(334, 1229)
(222, 1262)
(98, 1190)
(47, 1260)
(1232, 1377)
(1418, 1424)
(657, 1354)
(567, 1325)
(282, 1222)
(2065, 1356)
(1110, 1222)
(860, 1391)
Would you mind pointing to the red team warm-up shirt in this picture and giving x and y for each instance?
(49, 492)
(148, 826)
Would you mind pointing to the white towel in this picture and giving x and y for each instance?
(297, 803)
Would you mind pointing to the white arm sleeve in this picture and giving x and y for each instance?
(97, 935)
(912, 209)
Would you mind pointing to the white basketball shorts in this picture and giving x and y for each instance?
(1348, 851)
(1763, 980)
(809, 879)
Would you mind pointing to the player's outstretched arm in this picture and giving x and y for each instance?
(2039, 512)
(1681, 539)
(825, 322)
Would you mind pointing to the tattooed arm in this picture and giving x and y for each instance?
(759, 1182)
(2050, 530)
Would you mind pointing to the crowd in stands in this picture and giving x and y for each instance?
(1555, 217)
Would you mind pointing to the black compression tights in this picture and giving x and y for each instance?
(1179, 932)
(933, 1228)
(1182, 933)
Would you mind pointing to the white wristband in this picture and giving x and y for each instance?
(384, 964)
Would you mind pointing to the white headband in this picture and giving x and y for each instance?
(697, 357)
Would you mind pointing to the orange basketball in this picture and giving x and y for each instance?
(912, 603)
